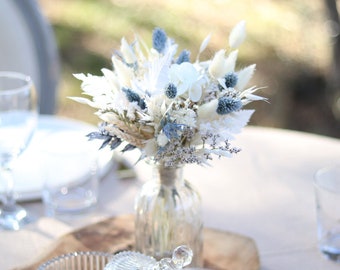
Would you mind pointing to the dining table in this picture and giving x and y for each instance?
(264, 192)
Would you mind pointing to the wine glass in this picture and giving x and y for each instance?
(18, 120)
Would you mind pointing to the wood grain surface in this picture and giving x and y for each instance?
(222, 250)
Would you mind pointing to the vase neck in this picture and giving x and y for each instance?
(168, 176)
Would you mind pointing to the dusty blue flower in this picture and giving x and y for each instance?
(230, 79)
(171, 130)
(171, 90)
(128, 147)
(134, 97)
(227, 105)
(184, 56)
(159, 39)
(104, 135)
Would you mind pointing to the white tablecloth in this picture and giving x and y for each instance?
(264, 192)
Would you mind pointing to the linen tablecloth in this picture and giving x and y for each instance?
(264, 192)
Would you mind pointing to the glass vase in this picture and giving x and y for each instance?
(168, 214)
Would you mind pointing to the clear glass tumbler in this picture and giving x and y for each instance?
(70, 172)
(84, 260)
(327, 194)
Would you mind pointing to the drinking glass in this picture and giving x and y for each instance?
(84, 260)
(327, 192)
(70, 170)
(18, 120)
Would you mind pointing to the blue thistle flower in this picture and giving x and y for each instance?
(184, 56)
(159, 39)
(230, 79)
(171, 90)
(134, 97)
(227, 105)
(130, 95)
(141, 104)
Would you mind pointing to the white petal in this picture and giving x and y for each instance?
(83, 101)
(184, 76)
(239, 119)
(188, 72)
(244, 76)
(195, 93)
(127, 52)
(255, 97)
(207, 110)
(231, 62)
(237, 35)
(107, 73)
(124, 73)
(204, 44)
(108, 117)
(80, 76)
(111, 79)
(233, 123)
(163, 108)
(158, 71)
(93, 85)
(249, 91)
(162, 140)
(248, 96)
(217, 65)
(174, 70)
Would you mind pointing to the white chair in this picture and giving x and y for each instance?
(27, 45)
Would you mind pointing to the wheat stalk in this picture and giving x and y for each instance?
(136, 136)
(145, 131)
(130, 138)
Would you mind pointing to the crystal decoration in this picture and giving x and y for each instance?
(131, 260)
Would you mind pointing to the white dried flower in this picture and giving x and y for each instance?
(237, 35)
(231, 62)
(244, 76)
(173, 110)
(162, 140)
(207, 111)
(127, 52)
(187, 79)
(218, 65)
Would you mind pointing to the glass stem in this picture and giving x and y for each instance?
(8, 199)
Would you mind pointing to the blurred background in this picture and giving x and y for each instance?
(293, 43)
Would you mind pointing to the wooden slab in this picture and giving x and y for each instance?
(222, 250)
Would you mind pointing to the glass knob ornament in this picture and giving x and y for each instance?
(130, 260)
